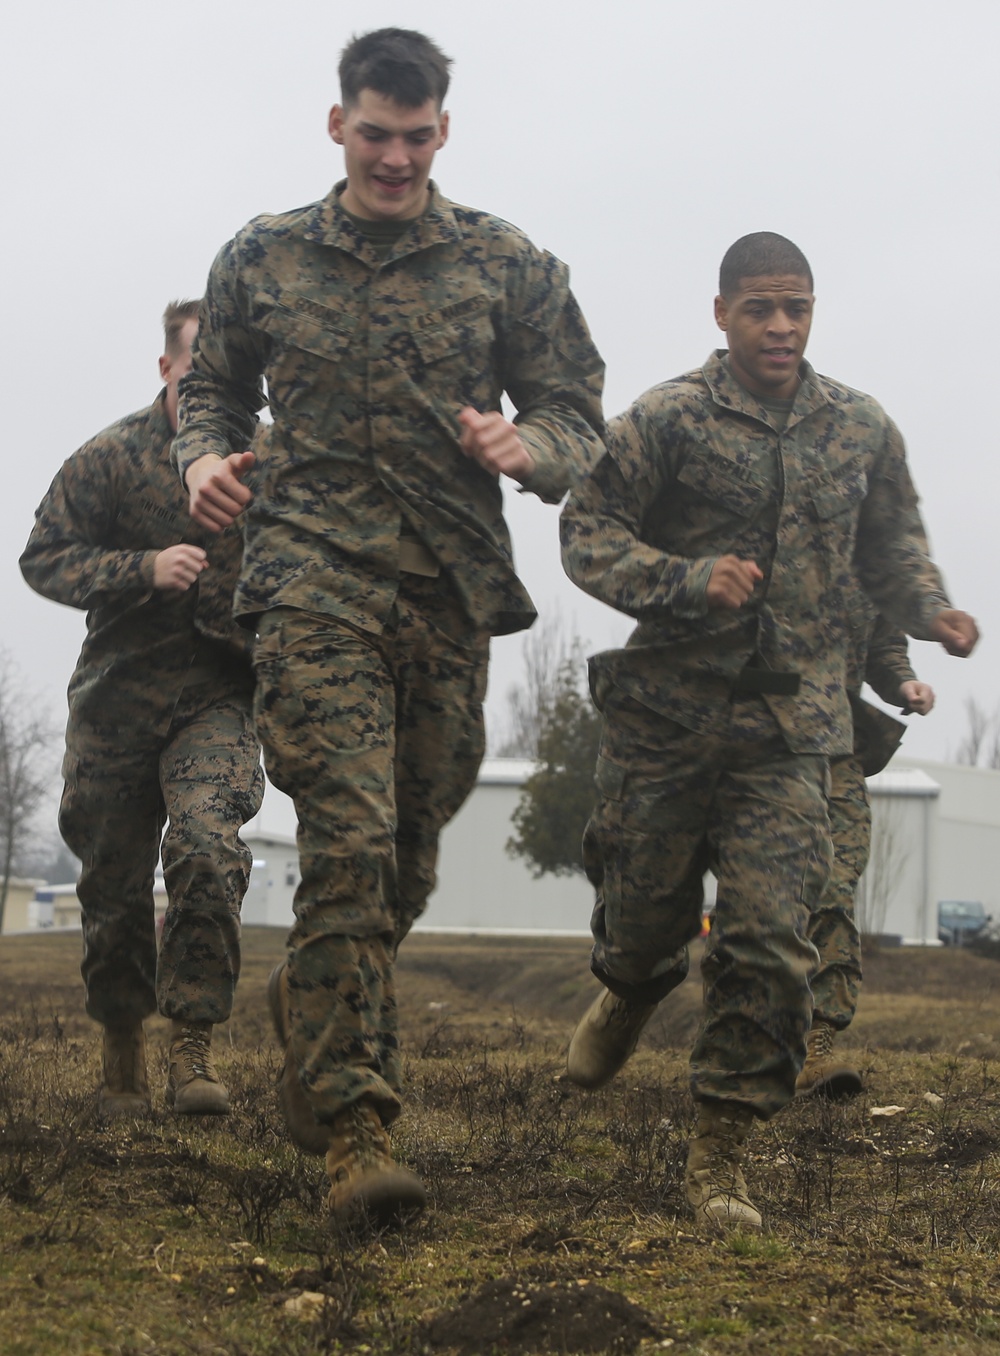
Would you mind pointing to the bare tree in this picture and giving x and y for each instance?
(25, 770)
(549, 655)
(980, 746)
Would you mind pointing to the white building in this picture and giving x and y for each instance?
(935, 835)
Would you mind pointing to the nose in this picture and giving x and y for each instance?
(394, 154)
(781, 322)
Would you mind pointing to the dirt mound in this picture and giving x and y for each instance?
(527, 1317)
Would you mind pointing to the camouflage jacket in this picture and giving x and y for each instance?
(695, 470)
(878, 654)
(111, 508)
(368, 364)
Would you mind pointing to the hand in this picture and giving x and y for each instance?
(176, 568)
(495, 443)
(956, 631)
(732, 582)
(217, 494)
(918, 696)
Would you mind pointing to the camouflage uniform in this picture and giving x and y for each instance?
(708, 758)
(877, 655)
(377, 560)
(159, 729)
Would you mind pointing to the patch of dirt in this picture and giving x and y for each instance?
(526, 1317)
(960, 1148)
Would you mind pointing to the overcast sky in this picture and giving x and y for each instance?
(636, 141)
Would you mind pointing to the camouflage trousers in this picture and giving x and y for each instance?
(672, 805)
(198, 771)
(832, 928)
(377, 739)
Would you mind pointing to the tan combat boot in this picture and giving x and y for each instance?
(364, 1180)
(607, 1034)
(822, 1075)
(311, 1135)
(194, 1088)
(714, 1182)
(125, 1090)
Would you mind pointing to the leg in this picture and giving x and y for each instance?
(770, 841)
(834, 933)
(212, 784)
(832, 928)
(111, 815)
(645, 853)
(440, 739)
(325, 711)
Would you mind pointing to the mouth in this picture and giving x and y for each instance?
(782, 356)
(394, 186)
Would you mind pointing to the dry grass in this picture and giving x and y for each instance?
(556, 1221)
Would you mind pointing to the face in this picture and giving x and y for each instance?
(176, 365)
(767, 323)
(388, 151)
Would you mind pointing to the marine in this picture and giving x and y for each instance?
(388, 321)
(729, 516)
(159, 734)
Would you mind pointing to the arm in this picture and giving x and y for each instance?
(220, 396)
(64, 559)
(602, 547)
(554, 376)
(887, 666)
(893, 557)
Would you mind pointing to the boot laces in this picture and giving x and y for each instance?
(194, 1051)
(359, 1139)
(821, 1040)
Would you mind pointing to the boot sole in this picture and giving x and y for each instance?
(123, 1106)
(838, 1087)
(304, 1130)
(209, 1101)
(382, 1203)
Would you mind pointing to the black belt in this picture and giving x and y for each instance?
(773, 682)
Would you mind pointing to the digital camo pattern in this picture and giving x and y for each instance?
(695, 470)
(878, 655)
(674, 804)
(159, 726)
(833, 930)
(371, 678)
(691, 776)
(378, 739)
(203, 778)
(368, 365)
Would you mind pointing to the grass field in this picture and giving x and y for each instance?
(557, 1221)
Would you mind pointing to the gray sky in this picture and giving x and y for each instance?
(634, 140)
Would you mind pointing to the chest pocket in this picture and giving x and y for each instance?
(840, 492)
(721, 487)
(301, 325)
(462, 329)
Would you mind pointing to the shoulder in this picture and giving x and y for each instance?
(670, 400)
(125, 437)
(494, 233)
(269, 228)
(855, 406)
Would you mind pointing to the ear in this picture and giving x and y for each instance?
(335, 124)
(165, 366)
(443, 135)
(721, 313)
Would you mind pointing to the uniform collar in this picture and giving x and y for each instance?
(726, 391)
(158, 411)
(330, 225)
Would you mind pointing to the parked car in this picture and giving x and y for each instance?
(959, 920)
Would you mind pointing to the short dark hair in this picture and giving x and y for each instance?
(399, 63)
(761, 255)
(175, 317)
